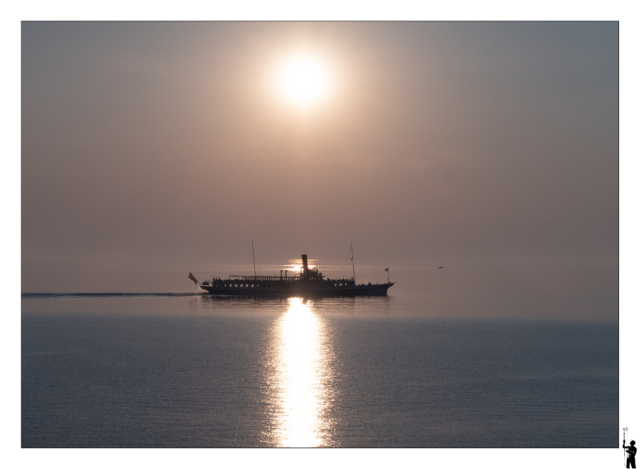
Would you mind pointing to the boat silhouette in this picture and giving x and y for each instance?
(308, 282)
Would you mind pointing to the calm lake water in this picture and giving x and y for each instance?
(186, 370)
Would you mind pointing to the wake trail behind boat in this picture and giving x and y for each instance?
(104, 295)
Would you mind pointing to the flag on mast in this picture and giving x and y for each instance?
(387, 269)
(193, 278)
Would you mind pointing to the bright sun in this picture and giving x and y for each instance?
(303, 80)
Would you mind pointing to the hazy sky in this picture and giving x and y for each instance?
(433, 141)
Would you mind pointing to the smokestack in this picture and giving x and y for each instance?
(305, 266)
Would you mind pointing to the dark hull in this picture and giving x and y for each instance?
(302, 289)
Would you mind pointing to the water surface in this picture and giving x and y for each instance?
(195, 371)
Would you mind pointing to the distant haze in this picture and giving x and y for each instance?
(167, 143)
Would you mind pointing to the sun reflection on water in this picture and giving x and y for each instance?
(302, 375)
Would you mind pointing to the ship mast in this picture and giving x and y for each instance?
(353, 264)
(255, 275)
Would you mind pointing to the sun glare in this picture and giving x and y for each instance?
(303, 372)
(303, 80)
(295, 267)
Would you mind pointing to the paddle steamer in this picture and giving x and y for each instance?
(308, 282)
